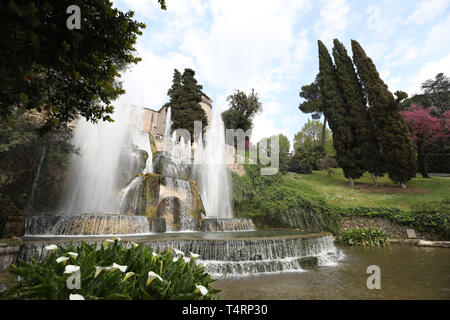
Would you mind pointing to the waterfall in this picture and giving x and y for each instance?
(84, 225)
(108, 159)
(167, 128)
(214, 179)
(237, 257)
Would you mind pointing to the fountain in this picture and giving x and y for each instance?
(119, 184)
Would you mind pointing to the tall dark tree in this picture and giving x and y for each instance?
(313, 104)
(364, 147)
(392, 132)
(60, 72)
(185, 97)
(336, 113)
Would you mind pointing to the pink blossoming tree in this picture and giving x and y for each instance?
(426, 129)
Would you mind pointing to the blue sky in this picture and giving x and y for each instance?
(271, 46)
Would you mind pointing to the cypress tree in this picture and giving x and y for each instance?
(364, 149)
(392, 134)
(185, 97)
(333, 108)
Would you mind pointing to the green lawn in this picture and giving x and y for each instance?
(335, 189)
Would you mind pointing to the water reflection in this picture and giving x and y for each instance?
(407, 272)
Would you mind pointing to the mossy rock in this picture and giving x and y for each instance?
(152, 143)
(308, 262)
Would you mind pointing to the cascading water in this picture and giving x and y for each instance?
(106, 170)
(239, 256)
(94, 177)
(214, 179)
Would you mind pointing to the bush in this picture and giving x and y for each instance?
(434, 218)
(172, 278)
(393, 214)
(267, 199)
(298, 165)
(363, 237)
(328, 164)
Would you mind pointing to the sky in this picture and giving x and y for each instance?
(271, 46)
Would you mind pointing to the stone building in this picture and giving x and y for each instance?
(153, 121)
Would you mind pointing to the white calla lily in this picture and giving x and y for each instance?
(70, 268)
(178, 252)
(152, 275)
(128, 275)
(154, 254)
(201, 289)
(135, 245)
(116, 239)
(118, 266)
(194, 255)
(99, 269)
(76, 297)
(73, 254)
(62, 259)
(51, 247)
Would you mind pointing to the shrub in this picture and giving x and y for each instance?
(266, 198)
(298, 165)
(102, 277)
(363, 237)
(433, 217)
(328, 164)
(393, 214)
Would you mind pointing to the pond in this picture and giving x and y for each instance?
(407, 272)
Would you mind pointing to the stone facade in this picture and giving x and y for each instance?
(154, 121)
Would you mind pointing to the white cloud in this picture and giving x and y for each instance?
(437, 38)
(428, 10)
(333, 19)
(146, 84)
(247, 44)
(264, 124)
(429, 71)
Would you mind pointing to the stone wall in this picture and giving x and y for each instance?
(392, 230)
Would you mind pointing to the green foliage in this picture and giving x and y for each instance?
(309, 138)
(311, 157)
(364, 237)
(335, 109)
(438, 92)
(284, 153)
(393, 214)
(47, 280)
(300, 165)
(396, 148)
(66, 73)
(243, 109)
(267, 198)
(434, 218)
(361, 152)
(21, 151)
(185, 97)
(311, 94)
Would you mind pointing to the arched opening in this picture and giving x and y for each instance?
(169, 208)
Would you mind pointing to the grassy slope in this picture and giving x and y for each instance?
(335, 190)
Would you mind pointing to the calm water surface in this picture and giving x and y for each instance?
(407, 272)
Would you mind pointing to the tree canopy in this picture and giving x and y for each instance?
(392, 133)
(185, 97)
(60, 72)
(243, 109)
(438, 91)
(309, 138)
